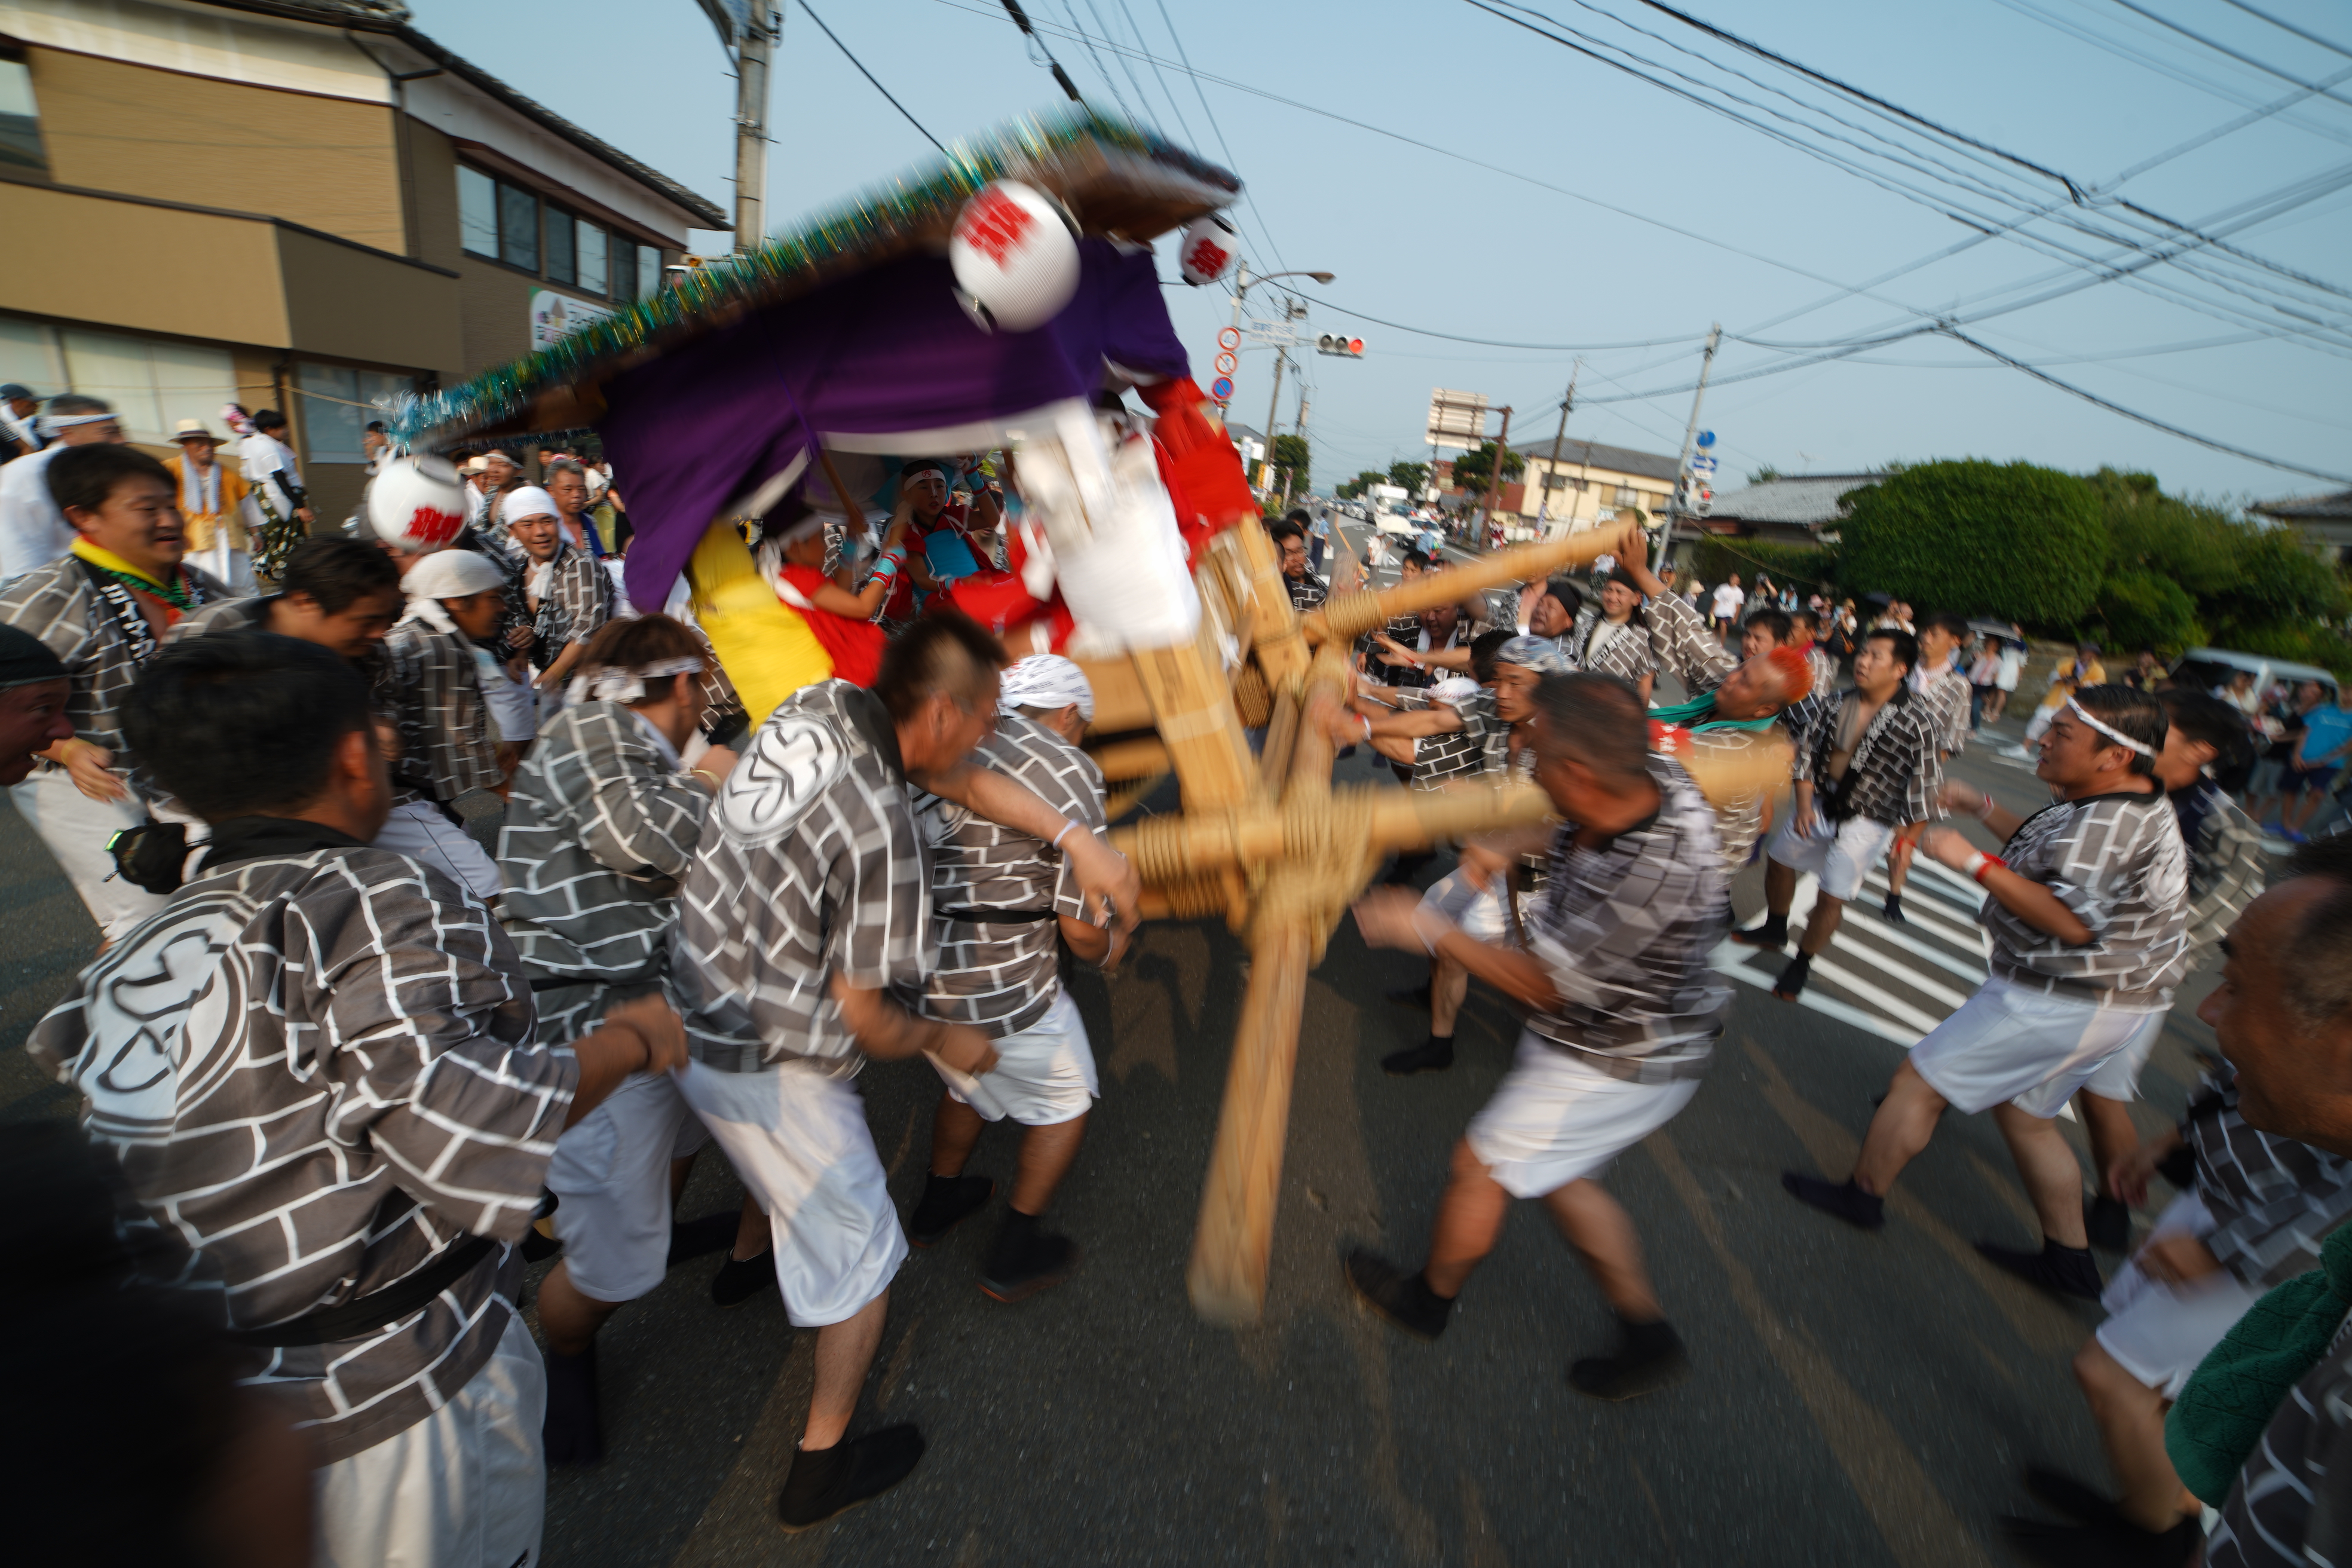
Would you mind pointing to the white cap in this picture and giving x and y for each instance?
(452, 575)
(527, 501)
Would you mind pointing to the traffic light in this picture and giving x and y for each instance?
(1342, 344)
(1702, 496)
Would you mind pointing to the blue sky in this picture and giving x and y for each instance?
(2085, 88)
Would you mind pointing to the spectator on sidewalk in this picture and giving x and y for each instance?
(33, 527)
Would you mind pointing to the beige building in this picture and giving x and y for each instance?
(304, 204)
(1586, 484)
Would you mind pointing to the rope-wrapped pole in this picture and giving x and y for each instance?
(1346, 617)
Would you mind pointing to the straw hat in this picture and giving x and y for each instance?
(194, 430)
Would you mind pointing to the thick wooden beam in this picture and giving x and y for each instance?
(1346, 617)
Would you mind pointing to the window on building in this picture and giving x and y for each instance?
(591, 248)
(337, 402)
(20, 117)
(563, 247)
(1628, 496)
(478, 212)
(625, 269)
(28, 354)
(649, 271)
(518, 227)
(151, 384)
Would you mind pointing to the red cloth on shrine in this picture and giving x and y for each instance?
(1198, 465)
(856, 646)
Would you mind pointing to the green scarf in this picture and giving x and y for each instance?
(2243, 1381)
(1693, 715)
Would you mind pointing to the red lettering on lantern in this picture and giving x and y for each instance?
(994, 223)
(1208, 257)
(431, 525)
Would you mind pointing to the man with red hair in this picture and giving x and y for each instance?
(1736, 717)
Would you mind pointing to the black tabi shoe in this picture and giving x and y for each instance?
(1791, 983)
(2109, 1221)
(1773, 933)
(1433, 1055)
(829, 1482)
(1414, 996)
(740, 1278)
(2109, 1543)
(1025, 1259)
(947, 1203)
(1404, 1299)
(2075, 1500)
(1847, 1202)
(701, 1237)
(1648, 1356)
(1894, 910)
(572, 1431)
(2063, 1271)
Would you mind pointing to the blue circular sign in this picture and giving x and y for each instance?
(1222, 389)
(1707, 437)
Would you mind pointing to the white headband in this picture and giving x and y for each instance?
(2117, 736)
(1046, 681)
(527, 501)
(614, 683)
(53, 423)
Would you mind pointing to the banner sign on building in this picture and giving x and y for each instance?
(556, 316)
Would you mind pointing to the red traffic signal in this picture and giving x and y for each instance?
(1342, 344)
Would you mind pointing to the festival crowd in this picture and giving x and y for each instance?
(344, 1069)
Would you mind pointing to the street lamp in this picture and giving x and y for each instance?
(1241, 282)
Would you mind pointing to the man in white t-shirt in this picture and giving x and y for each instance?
(33, 528)
(1728, 600)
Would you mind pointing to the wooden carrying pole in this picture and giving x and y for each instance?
(1351, 616)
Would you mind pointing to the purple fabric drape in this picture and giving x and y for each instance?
(887, 351)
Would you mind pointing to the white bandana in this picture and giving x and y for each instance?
(2117, 736)
(1046, 681)
(52, 423)
(617, 683)
(527, 501)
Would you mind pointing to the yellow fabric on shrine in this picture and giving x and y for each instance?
(203, 527)
(768, 651)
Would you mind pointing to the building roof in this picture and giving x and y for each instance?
(391, 18)
(2335, 508)
(1803, 500)
(1601, 455)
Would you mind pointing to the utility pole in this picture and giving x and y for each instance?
(1690, 435)
(753, 44)
(1274, 412)
(1567, 402)
(1495, 479)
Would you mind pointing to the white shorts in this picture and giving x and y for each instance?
(1477, 912)
(2117, 1077)
(797, 1136)
(76, 828)
(1554, 1119)
(1840, 854)
(612, 1171)
(421, 832)
(2159, 1332)
(2026, 1048)
(1043, 1075)
(464, 1488)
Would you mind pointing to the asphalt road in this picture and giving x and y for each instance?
(1855, 1399)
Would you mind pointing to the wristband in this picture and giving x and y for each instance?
(1067, 828)
(1981, 862)
(1367, 721)
(1985, 805)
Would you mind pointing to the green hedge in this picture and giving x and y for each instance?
(2014, 541)
(1807, 566)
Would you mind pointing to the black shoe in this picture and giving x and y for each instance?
(740, 1278)
(947, 1203)
(1894, 910)
(2075, 1500)
(1404, 1299)
(1791, 983)
(1773, 934)
(2064, 1270)
(1650, 1357)
(538, 1248)
(701, 1237)
(832, 1482)
(2109, 1221)
(1432, 1055)
(571, 1431)
(1844, 1199)
(1414, 996)
(2110, 1543)
(1025, 1259)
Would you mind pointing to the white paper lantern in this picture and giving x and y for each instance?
(1210, 245)
(1015, 256)
(417, 503)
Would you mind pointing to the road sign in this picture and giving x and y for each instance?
(1270, 334)
(1457, 418)
(1222, 389)
(1229, 337)
(1227, 365)
(1707, 437)
(1702, 464)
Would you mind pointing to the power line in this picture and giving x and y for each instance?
(2221, 48)
(1499, 344)
(869, 76)
(1061, 78)
(2289, 27)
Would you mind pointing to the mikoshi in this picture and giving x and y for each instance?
(861, 339)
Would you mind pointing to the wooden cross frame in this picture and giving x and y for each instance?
(1269, 842)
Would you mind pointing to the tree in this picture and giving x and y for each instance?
(2182, 572)
(1472, 471)
(1349, 490)
(1763, 476)
(1290, 452)
(1410, 478)
(2014, 541)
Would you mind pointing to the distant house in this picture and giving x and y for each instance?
(1582, 485)
(2325, 521)
(1804, 510)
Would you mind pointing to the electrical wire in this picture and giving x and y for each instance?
(2290, 27)
(2220, 49)
(870, 76)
